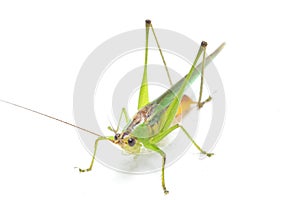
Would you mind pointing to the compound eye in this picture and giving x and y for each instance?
(117, 136)
(131, 141)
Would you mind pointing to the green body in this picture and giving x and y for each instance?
(155, 120)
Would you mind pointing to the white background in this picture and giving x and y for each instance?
(42, 47)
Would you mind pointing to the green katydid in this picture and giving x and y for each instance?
(154, 120)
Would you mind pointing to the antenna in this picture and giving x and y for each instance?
(34, 111)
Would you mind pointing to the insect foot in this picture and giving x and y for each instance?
(83, 170)
(166, 191)
(209, 154)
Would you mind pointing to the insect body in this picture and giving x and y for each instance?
(154, 120)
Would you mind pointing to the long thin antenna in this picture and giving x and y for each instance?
(83, 129)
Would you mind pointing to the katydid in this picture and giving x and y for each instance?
(154, 120)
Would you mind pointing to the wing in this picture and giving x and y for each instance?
(148, 121)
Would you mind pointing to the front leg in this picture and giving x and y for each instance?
(95, 151)
(153, 147)
(123, 113)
